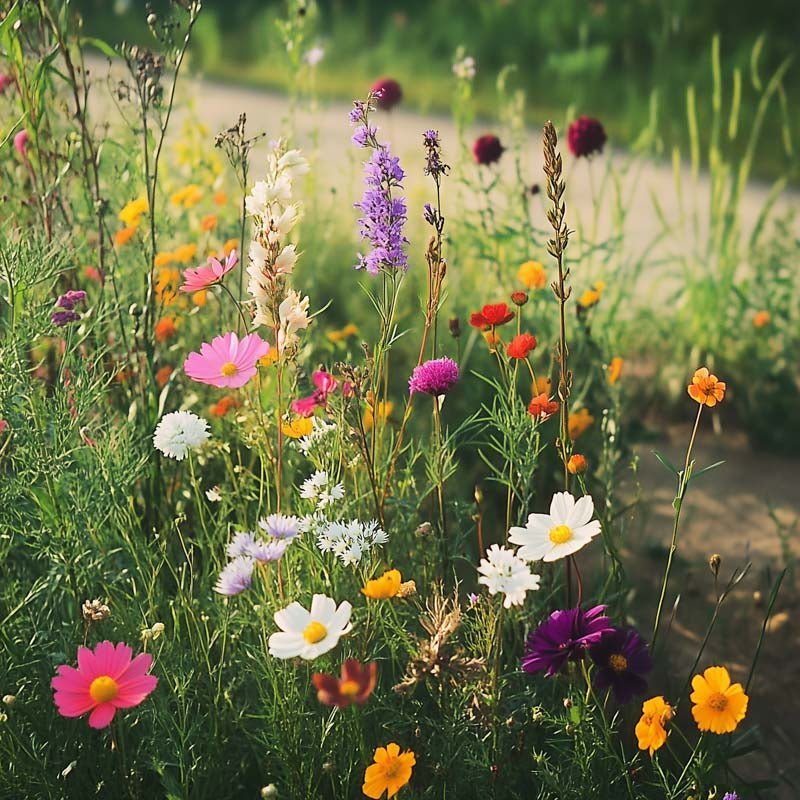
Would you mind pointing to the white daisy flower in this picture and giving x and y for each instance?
(309, 634)
(504, 571)
(180, 432)
(562, 532)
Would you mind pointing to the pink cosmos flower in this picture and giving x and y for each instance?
(228, 362)
(195, 280)
(325, 383)
(106, 679)
(21, 142)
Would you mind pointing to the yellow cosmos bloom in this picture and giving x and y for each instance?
(706, 388)
(651, 732)
(131, 212)
(390, 772)
(532, 275)
(719, 705)
(187, 197)
(388, 585)
(164, 259)
(297, 427)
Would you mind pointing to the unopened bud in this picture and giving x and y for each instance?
(9, 699)
(567, 702)
(714, 563)
(455, 327)
(519, 298)
(478, 494)
(424, 529)
(577, 464)
(157, 629)
(271, 790)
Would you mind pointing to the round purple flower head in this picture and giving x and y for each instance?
(434, 377)
(586, 136)
(236, 576)
(562, 637)
(387, 92)
(622, 659)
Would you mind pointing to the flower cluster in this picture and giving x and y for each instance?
(349, 541)
(246, 552)
(66, 304)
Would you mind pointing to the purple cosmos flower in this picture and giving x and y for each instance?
(434, 377)
(62, 318)
(622, 659)
(70, 299)
(236, 577)
(562, 637)
(280, 526)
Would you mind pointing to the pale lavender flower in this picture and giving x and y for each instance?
(264, 552)
(364, 135)
(236, 577)
(280, 526)
(240, 544)
(435, 377)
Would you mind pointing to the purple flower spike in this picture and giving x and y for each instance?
(434, 377)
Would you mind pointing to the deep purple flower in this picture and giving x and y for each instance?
(387, 93)
(434, 377)
(563, 636)
(70, 299)
(487, 149)
(433, 155)
(622, 659)
(62, 318)
(585, 136)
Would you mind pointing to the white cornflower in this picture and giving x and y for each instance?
(349, 541)
(562, 532)
(180, 432)
(503, 571)
(309, 634)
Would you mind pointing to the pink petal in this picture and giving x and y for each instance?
(324, 381)
(71, 704)
(138, 667)
(305, 406)
(70, 679)
(87, 663)
(239, 379)
(102, 715)
(133, 692)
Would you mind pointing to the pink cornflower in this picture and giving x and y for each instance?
(197, 279)
(325, 383)
(106, 679)
(228, 362)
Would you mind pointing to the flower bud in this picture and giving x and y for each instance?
(577, 464)
(455, 327)
(9, 699)
(519, 298)
(714, 563)
(270, 790)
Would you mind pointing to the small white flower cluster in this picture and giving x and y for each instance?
(319, 432)
(350, 541)
(464, 68)
(318, 488)
(179, 433)
(504, 571)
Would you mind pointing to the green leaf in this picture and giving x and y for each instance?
(707, 469)
(666, 462)
(104, 47)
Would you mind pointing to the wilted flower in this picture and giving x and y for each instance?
(179, 433)
(95, 610)
(651, 730)
(541, 407)
(586, 136)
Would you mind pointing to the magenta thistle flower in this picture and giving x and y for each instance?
(434, 377)
(387, 93)
(586, 136)
(563, 637)
(622, 659)
(487, 149)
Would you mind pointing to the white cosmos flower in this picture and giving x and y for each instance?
(504, 571)
(180, 432)
(309, 634)
(562, 532)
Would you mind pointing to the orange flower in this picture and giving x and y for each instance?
(224, 405)
(167, 284)
(577, 464)
(162, 376)
(185, 253)
(492, 339)
(220, 198)
(650, 729)
(543, 386)
(390, 772)
(209, 222)
(163, 259)
(579, 422)
(351, 329)
(388, 585)
(385, 408)
(615, 369)
(521, 345)
(200, 298)
(298, 427)
(719, 705)
(187, 197)
(705, 388)
(761, 319)
(230, 245)
(592, 296)
(165, 329)
(532, 275)
(270, 358)
(542, 407)
(124, 235)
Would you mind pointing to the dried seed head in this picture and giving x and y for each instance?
(714, 563)
(95, 611)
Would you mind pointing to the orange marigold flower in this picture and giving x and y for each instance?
(224, 405)
(521, 345)
(615, 369)
(209, 222)
(185, 253)
(165, 329)
(542, 407)
(761, 319)
(579, 422)
(390, 772)
(355, 686)
(719, 705)
(532, 275)
(577, 464)
(124, 235)
(229, 246)
(705, 388)
(388, 585)
(651, 731)
(162, 376)
(220, 198)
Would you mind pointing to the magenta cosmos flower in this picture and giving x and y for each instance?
(487, 149)
(586, 136)
(197, 279)
(228, 362)
(434, 377)
(388, 93)
(106, 679)
(325, 384)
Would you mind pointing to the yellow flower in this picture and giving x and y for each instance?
(532, 275)
(543, 385)
(390, 772)
(615, 369)
(298, 427)
(229, 246)
(385, 408)
(167, 282)
(185, 253)
(591, 296)
(719, 705)
(187, 197)
(200, 298)
(351, 329)
(163, 259)
(123, 236)
(650, 730)
(209, 222)
(132, 211)
(388, 585)
(579, 422)
(706, 389)
(270, 358)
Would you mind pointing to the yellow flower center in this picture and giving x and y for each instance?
(560, 534)
(718, 701)
(103, 689)
(349, 688)
(229, 369)
(315, 632)
(618, 662)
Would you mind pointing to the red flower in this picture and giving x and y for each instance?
(521, 345)
(387, 92)
(487, 149)
(491, 315)
(586, 136)
(519, 298)
(542, 407)
(355, 686)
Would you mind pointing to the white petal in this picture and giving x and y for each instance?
(286, 645)
(567, 549)
(582, 512)
(535, 551)
(588, 531)
(341, 618)
(561, 507)
(294, 618)
(322, 609)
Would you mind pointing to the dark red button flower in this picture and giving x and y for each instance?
(521, 345)
(487, 149)
(542, 407)
(388, 93)
(491, 315)
(586, 136)
(355, 685)
(519, 298)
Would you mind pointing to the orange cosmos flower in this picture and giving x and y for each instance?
(351, 329)
(615, 369)
(162, 376)
(579, 422)
(165, 329)
(761, 319)
(706, 389)
(200, 298)
(542, 407)
(220, 198)
(224, 405)
(650, 730)
(388, 585)
(390, 772)
(719, 705)
(209, 222)
(163, 259)
(123, 236)
(521, 345)
(577, 464)
(185, 253)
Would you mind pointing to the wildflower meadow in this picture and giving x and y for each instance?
(337, 462)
